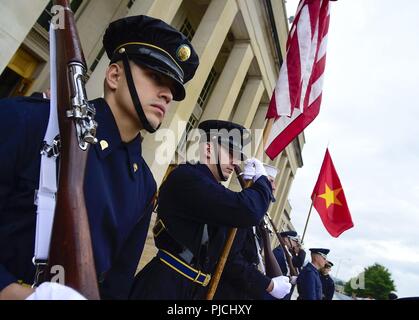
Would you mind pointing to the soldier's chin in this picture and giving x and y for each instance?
(154, 121)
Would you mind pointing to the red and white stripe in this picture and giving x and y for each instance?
(297, 96)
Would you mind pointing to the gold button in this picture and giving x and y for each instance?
(122, 50)
(135, 166)
(104, 144)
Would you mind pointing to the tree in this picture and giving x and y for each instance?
(375, 282)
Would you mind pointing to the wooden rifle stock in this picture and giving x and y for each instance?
(293, 270)
(71, 245)
(271, 264)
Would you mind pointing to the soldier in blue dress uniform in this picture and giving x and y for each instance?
(150, 62)
(195, 213)
(242, 279)
(279, 252)
(308, 282)
(328, 285)
(298, 254)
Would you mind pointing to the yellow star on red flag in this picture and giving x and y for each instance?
(331, 196)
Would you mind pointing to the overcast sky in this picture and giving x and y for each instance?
(369, 116)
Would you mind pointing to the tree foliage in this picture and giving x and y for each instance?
(375, 282)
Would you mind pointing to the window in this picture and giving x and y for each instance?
(75, 5)
(187, 30)
(9, 81)
(209, 84)
(96, 61)
(46, 15)
(17, 77)
(181, 149)
(130, 4)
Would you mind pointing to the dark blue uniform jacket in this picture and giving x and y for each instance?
(119, 188)
(280, 257)
(297, 261)
(309, 284)
(241, 278)
(328, 286)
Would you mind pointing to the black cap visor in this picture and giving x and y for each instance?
(178, 88)
(159, 61)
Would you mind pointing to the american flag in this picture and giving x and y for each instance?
(297, 96)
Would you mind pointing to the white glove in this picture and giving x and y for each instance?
(281, 287)
(248, 170)
(293, 280)
(259, 168)
(55, 291)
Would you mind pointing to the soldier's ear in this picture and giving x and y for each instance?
(208, 148)
(113, 76)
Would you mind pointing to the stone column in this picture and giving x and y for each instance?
(258, 124)
(246, 110)
(249, 102)
(228, 86)
(284, 196)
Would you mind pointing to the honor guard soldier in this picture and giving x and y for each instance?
(195, 213)
(308, 281)
(241, 278)
(328, 285)
(298, 254)
(245, 276)
(149, 64)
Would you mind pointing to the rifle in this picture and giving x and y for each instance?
(271, 264)
(70, 240)
(293, 270)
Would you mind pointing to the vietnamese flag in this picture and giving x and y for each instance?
(329, 199)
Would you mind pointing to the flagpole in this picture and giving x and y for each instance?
(308, 217)
(266, 131)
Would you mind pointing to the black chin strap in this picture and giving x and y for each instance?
(134, 96)
(217, 150)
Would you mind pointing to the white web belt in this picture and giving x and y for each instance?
(45, 196)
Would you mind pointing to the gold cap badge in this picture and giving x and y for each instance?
(183, 52)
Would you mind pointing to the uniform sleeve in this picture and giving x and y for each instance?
(121, 276)
(212, 203)
(280, 257)
(244, 276)
(306, 286)
(11, 140)
(298, 261)
(6, 277)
